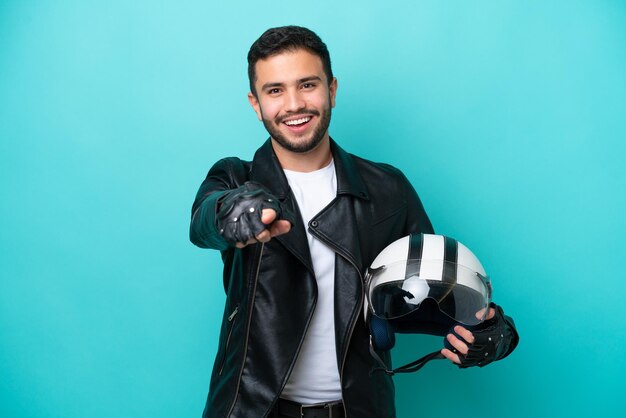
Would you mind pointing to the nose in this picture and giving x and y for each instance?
(294, 101)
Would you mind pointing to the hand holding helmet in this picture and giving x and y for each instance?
(431, 284)
(481, 344)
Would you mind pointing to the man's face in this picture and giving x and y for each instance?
(294, 99)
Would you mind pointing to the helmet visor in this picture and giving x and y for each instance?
(398, 289)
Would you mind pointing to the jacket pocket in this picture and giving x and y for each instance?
(231, 323)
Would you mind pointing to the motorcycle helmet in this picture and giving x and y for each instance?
(423, 283)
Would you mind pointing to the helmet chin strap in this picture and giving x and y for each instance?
(407, 368)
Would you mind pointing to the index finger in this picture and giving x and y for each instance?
(280, 227)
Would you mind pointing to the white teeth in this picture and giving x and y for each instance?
(297, 121)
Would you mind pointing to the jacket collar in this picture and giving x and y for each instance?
(267, 171)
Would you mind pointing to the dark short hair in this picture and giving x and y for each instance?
(286, 38)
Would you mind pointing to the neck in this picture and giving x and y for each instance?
(315, 159)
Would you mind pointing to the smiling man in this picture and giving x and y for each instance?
(297, 227)
(293, 95)
(296, 112)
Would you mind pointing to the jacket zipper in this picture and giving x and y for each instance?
(352, 325)
(230, 332)
(356, 316)
(245, 347)
(293, 360)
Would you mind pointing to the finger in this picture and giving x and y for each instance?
(244, 244)
(458, 344)
(480, 314)
(268, 216)
(280, 227)
(264, 236)
(465, 334)
(451, 356)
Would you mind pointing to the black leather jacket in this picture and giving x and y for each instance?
(271, 289)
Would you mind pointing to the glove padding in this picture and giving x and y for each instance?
(493, 339)
(238, 218)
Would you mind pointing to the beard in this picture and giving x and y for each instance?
(305, 144)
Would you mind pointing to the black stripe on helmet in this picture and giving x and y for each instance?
(416, 245)
(450, 258)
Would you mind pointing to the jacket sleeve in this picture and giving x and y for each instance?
(511, 336)
(226, 174)
(417, 219)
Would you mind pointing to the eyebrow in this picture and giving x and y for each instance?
(300, 81)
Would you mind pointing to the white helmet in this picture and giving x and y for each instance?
(414, 270)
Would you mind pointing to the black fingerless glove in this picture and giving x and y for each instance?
(494, 339)
(238, 217)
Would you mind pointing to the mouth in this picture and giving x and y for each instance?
(298, 124)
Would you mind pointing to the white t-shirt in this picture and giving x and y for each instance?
(315, 376)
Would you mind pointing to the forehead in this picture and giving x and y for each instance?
(288, 66)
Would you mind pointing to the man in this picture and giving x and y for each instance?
(297, 226)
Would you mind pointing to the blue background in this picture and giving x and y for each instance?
(507, 116)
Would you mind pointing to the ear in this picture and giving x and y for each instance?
(254, 102)
(332, 91)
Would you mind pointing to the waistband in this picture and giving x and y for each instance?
(290, 409)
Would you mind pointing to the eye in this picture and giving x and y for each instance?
(274, 90)
(308, 86)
